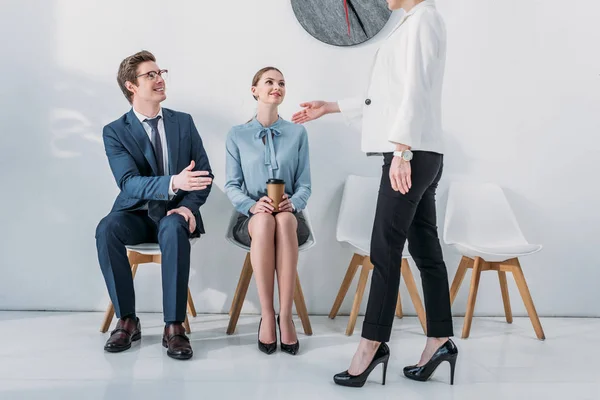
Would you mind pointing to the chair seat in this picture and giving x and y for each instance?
(363, 248)
(150, 249)
(145, 248)
(497, 253)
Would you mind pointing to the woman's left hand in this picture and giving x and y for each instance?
(286, 204)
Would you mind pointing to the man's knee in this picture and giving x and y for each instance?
(173, 224)
(110, 225)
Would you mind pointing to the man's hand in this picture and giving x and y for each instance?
(190, 180)
(263, 206)
(187, 214)
(286, 204)
(314, 110)
(400, 175)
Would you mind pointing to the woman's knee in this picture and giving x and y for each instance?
(262, 225)
(286, 221)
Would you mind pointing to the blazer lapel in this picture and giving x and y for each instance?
(426, 3)
(399, 24)
(141, 138)
(172, 134)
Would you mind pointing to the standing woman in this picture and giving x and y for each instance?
(268, 147)
(401, 120)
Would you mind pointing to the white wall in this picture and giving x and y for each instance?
(520, 108)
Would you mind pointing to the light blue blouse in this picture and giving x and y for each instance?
(250, 162)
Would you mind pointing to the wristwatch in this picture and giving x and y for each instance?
(406, 155)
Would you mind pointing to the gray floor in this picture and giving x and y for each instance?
(60, 356)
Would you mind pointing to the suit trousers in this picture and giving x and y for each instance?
(122, 228)
(411, 216)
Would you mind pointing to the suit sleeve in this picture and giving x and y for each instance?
(421, 59)
(195, 199)
(127, 174)
(352, 110)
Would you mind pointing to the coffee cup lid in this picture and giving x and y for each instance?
(275, 181)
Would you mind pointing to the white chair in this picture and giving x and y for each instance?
(354, 226)
(481, 225)
(246, 276)
(142, 254)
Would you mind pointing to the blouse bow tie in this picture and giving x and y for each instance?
(270, 157)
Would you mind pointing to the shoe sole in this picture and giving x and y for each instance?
(348, 384)
(134, 338)
(176, 356)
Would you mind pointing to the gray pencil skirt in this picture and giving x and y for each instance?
(241, 234)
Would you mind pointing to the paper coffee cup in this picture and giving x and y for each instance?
(275, 191)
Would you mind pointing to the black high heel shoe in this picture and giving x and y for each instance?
(267, 348)
(381, 356)
(288, 348)
(447, 352)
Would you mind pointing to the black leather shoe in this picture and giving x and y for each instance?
(381, 356)
(128, 330)
(267, 348)
(177, 343)
(447, 352)
(288, 348)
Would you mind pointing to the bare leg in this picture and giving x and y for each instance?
(286, 255)
(262, 255)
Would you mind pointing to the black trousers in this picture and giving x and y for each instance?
(122, 228)
(400, 217)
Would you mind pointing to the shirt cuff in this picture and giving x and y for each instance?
(172, 193)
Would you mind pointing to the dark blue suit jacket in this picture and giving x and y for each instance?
(133, 164)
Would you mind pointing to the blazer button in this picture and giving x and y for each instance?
(368, 102)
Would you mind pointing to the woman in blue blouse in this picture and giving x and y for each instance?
(269, 147)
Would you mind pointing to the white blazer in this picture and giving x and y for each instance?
(403, 100)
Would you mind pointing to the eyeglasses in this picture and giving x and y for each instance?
(151, 75)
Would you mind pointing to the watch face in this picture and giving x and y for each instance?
(407, 155)
(342, 22)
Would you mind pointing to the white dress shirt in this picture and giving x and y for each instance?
(403, 101)
(163, 139)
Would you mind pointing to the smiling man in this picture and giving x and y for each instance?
(159, 163)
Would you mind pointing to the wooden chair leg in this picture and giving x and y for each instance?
(191, 306)
(240, 294)
(360, 290)
(459, 277)
(505, 296)
(527, 300)
(186, 325)
(110, 310)
(237, 289)
(409, 280)
(108, 317)
(301, 309)
(399, 306)
(472, 296)
(354, 264)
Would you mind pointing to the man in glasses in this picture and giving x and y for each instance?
(159, 163)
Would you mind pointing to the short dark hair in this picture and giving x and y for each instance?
(128, 71)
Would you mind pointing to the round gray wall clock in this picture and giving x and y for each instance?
(342, 22)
